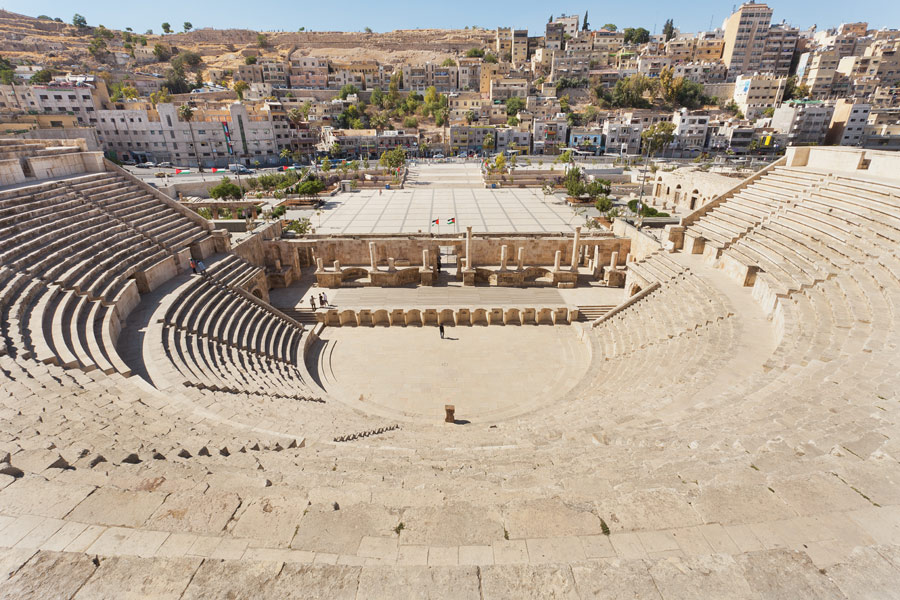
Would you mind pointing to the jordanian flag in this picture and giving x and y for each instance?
(180, 171)
(451, 221)
(436, 222)
(214, 170)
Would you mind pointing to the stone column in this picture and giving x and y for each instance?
(504, 256)
(337, 266)
(469, 262)
(557, 259)
(425, 263)
(320, 265)
(596, 258)
(372, 261)
(521, 258)
(391, 265)
(614, 260)
(575, 242)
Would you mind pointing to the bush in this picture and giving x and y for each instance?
(225, 190)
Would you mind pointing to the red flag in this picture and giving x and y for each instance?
(177, 171)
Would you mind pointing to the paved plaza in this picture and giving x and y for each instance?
(444, 192)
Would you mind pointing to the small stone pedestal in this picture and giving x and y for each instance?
(450, 413)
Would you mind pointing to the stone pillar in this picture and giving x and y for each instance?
(556, 261)
(628, 258)
(469, 262)
(372, 261)
(337, 266)
(391, 268)
(504, 256)
(596, 258)
(320, 265)
(215, 212)
(449, 413)
(521, 258)
(614, 260)
(425, 262)
(575, 242)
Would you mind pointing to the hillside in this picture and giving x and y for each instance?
(24, 38)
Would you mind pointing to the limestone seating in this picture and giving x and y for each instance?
(657, 267)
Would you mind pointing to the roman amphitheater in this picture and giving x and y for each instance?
(709, 411)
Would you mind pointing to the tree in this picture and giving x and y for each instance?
(636, 36)
(668, 30)
(129, 92)
(512, 121)
(488, 142)
(514, 105)
(250, 60)
(240, 87)
(175, 82)
(769, 112)
(348, 89)
(658, 136)
(166, 28)
(187, 26)
(610, 27)
(603, 204)
(186, 57)
(500, 162)
(42, 76)
(79, 21)
(490, 58)
(474, 53)
(393, 159)
(162, 53)
(448, 62)
(98, 49)
(410, 123)
(377, 97)
(161, 97)
(187, 114)
(261, 40)
(368, 30)
(585, 26)
(226, 190)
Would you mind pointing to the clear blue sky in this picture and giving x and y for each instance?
(354, 15)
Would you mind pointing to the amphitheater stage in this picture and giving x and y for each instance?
(487, 373)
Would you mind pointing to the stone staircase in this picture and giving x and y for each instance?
(593, 312)
(306, 316)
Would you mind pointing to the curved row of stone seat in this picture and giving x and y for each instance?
(128, 202)
(57, 237)
(750, 206)
(656, 267)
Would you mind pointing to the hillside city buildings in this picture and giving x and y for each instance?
(772, 86)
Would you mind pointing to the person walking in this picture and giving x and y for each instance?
(193, 264)
(441, 327)
(201, 267)
(312, 301)
(325, 299)
(322, 300)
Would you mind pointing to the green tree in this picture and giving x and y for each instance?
(512, 121)
(448, 62)
(470, 116)
(490, 58)
(658, 136)
(377, 97)
(226, 190)
(161, 97)
(42, 76)
(769, 112)
(162, 53)
(347, 89)
(668, 30)
(636, 35)
(166, 28)
(326, 165)
(603, 204)
(187, 26)
(410, 123)
(610, 27)
(393, 159)
(240, 87)
(186, 113)
(250, 60)
(474, 53)
(487, 141)
(514, 105)
(261, 40)
(368, 30)
(79, 21)
(98, 49)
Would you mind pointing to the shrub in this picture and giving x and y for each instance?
(225, 189)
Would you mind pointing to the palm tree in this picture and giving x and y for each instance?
(187, 114)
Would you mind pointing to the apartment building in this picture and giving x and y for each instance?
(512, 139)
(804, 122)
(745, 37)
(622, 137)
(144, 133)
(470, 138)
(702, 72)
(651, 64)
(309, 72)
(506, 88)
(555, 36)
(549, 136)
(78, 95)
(421, 77)
(588, 139)
(708, 49)
(820, 72)
(848, 123)
(469, 73)
(570, 24)
(690, 130)
(755, 93)
(512, 43)
(778, 52)
(368, 143)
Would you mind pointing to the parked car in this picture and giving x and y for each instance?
(438, 155)
(146, 165)
(128, 162)
(165, 165)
